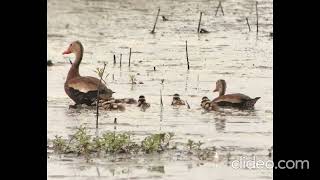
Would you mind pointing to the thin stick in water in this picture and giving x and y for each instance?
(218, 8)
(188, 105)
(257, 16)
(161, 102)
(248, 24)
(187, 54)
(129, 57)
(221, 8)
(155, 23)
(114, 59)
(198, 30)
(98, 95)
(120, 59)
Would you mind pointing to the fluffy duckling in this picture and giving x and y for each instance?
(142, 103)
(211, 106)
(126, 101)
(204, 100)
(232, 100)
(176, 101)
(111, 105)
(208, 105)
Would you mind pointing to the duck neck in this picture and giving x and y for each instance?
(222, 90)
(74, 70)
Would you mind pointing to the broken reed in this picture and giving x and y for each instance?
(98, 95)
(114, 59)
(129, 57)
(257, 16)
(187, 54)
(198, 30)
(120, 59)
(161, 102)
(219, 6)
(248, 24)
(155, 23)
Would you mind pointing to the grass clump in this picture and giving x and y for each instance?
(156, 142)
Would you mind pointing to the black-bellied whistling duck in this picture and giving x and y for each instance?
(83, 89)
(142, 103)
(176, 101)
(232, 100)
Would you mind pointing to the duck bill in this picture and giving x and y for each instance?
(215, 90)
(66, 52)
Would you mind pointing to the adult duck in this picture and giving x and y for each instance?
(83, 89)
(232, 100)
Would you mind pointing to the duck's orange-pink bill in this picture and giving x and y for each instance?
(66, 52)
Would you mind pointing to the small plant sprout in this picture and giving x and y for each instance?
(133, 79)
(59, 144)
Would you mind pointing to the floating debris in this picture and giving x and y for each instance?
(49, 63)
(164, 18)
(203, 31)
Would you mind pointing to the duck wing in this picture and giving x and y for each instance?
(232, 98)
(86, 84)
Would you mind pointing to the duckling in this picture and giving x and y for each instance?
(204, 100)
(114, 106)
(111, 105)
(142, 103)
(237, 100)
(176, 101)
(211, 106)
(126, 101)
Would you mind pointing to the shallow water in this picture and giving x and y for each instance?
(228, 52)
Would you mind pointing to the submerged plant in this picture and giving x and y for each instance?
(59, 144)
(132, 78)
(156, 142)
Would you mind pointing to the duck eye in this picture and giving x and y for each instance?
(70, 45)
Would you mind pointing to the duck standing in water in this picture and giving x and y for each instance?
(176, 101)
(237, 100)
(83, 89)
(209, 105)
(142, 103)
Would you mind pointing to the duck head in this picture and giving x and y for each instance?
(220, 87)
(205, 98)
(141, 100)
(74, 47)
(176, 97)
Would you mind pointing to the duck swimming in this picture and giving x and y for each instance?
(176, 101)
(111, 105)
(142, 103)
(232, 100)
(83, 89)
(209, 105)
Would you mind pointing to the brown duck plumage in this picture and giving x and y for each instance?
(233, 100)
(142, 103)
(83, 89)
(176, 101)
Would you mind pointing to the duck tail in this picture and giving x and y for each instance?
(253, 101)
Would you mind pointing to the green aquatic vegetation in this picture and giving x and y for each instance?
(133, 79)
(156, 142)
(59, 144)
(84, 144)
(190, 145)
(116, 143)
